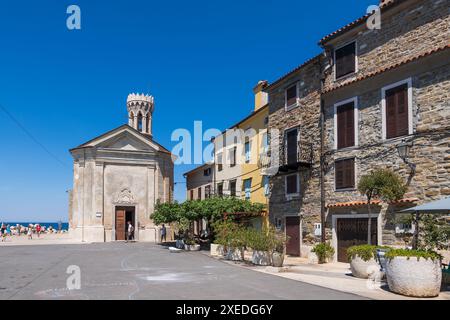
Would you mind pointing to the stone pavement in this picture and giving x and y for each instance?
(336, 276)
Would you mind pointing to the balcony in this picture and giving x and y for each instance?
(299, 156)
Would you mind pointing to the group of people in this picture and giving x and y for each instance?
(130, 232)
(7, 230)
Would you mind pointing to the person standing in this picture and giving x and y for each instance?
(38, 230)
(30, 233)
(3, 232)
(130, 232)
(163, 233)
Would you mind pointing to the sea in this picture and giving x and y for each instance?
(64, 225)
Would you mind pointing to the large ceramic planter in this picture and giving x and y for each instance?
(233, 254)
(216, 250)
(277, 259)
(261, 258)
(192, 247)
(414, 278)
(364, 269)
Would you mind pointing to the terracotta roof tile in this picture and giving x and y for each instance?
(384, 69)
(353, 204)
(404, 201)
(383, 6)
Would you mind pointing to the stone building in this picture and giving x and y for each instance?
(294, 114)
(119, 177)
(386, 89)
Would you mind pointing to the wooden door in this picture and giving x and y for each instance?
(120, 224)
(293, 232)
(353, 232)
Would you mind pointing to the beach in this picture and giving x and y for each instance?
(44, 239)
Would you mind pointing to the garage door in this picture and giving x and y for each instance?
(352, 232)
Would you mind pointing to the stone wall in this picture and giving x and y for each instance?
(401, 27)
(306, 117)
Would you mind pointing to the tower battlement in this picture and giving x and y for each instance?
(137, 97)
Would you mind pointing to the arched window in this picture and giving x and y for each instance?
(139, 124)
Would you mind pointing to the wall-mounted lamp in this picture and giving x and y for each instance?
(403, 149)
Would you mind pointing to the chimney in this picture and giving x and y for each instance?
(261, 97)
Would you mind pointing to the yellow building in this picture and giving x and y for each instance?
(255, 185)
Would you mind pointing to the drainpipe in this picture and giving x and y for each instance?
(322, 160)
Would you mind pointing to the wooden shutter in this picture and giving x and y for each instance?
(291, 182)
(291, 138)
(345, 173)
(346, 125)
(397, 111)
(345, 60)
(291, 95)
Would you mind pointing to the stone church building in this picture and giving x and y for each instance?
(119, 177)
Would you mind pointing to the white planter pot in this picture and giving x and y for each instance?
(233, 254)
(365, 269)
(217, 250)
(277, 259)
(261, 258)
(192, 247)
(414, 278)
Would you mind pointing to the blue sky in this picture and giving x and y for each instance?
(199, 59)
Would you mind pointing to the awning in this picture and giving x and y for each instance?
(437, 207)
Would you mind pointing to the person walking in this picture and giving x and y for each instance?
(30, 233)
(130, 232)
(38, 230)
(163, 233)
(3, 232)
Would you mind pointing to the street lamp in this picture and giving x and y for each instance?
(403, 149)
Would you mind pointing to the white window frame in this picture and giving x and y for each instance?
(249, 152)
(356, 120)
(408, 81)
(289, 196)
(266, 185)
(296, 104)
(356, 60)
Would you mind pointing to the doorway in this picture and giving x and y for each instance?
(123, 215)
(293, 232)
(352, 232)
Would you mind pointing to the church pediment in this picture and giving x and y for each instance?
(124, 138)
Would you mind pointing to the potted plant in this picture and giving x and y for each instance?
(190, 245)
(363, 261)
(324, 252)
(415, 273)
(259, 241)
(229, 238)
(279, 247)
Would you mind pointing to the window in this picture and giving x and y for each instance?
(247, 188)
(345, 60)
(397, 109)
(191, 195)
(266, 185)
(291, 97)
(265, 142)
(247, 151)
(346, 118)
(233, 188)
(207, 172)
(139, 124)
(219, 162)
(266, 121)
(345, 174)
(220, 189)
(233, 157)
(292, 184)
(207, 191)
(199, 193)
(291, 146)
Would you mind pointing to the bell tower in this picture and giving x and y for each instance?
(140, 112)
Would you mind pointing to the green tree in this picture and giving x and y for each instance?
(380, 183)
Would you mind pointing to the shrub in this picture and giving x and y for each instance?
(365, 252)
(413, 253)
(324, 251)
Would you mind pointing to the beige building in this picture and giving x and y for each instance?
(119, 177)
(200, 182)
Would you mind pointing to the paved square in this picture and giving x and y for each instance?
(139, 271)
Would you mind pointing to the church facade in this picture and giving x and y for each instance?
(119, 177)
